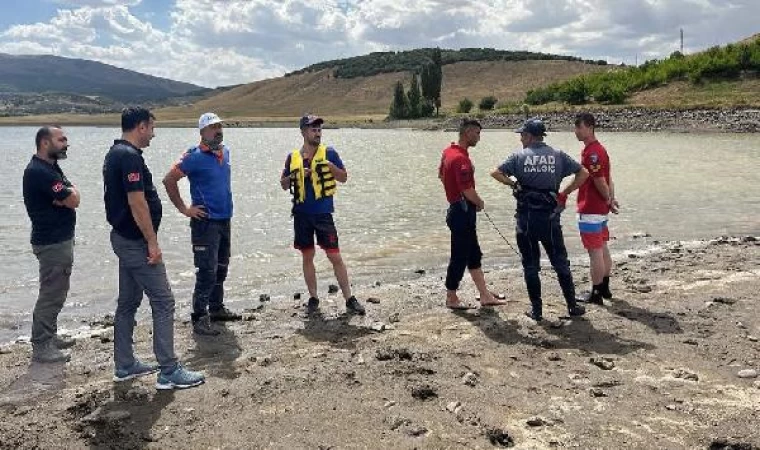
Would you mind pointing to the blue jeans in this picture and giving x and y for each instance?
(544, 228)
(136, 277)
(211, 255)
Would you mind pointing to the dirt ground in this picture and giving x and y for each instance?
(657, 367)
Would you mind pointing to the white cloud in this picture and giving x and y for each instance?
(213, 42)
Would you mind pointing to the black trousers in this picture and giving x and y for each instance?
(465, 250)
(211, 254)
(536, 229)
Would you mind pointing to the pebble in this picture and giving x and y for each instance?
(389, 403)
(686, 374)
(747, 373)
(499, 437)
(603, 363)
(454, 407)
(5, 351)
(725, 300)
(297, 296)
(264, 298)
(536, 422)
(596, 393)
(394, 318)
(756, 384)
(470, 379)
(417, 431)
(332, 289)
(420, 271)
(374, 300)
(752, 338)
(424, 392)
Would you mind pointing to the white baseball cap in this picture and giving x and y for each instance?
(208, 119)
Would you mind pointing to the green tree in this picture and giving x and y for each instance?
(465, 105)
(432, 78)
(400, 104)
(487, 103)
(415, 98)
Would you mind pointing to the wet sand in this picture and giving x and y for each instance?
(656, 367)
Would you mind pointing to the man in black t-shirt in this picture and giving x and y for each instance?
(50, 200)
(134, 211)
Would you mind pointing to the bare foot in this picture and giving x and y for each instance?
(453, 302)
(490, 300)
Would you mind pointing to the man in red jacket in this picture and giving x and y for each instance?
(596, 199)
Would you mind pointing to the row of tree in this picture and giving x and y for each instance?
(424, 96)
(414, 60)
(716, 63)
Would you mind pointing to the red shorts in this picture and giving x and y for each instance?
(594, 231)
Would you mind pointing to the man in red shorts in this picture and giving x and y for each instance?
(596, 199)
(457, 175)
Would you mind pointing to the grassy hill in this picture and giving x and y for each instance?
(718, 76)
(45, 74)
(324, 93)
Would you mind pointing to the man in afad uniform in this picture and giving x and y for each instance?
(133, 209)
(535, 173)
(207, 167)
(596, 199)
(311, 173)
(50, 200)
(457, 174)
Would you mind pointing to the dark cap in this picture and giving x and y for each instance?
(310, 120)
(535, 127)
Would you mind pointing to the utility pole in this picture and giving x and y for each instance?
(682, 41)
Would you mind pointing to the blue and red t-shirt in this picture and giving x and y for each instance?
(210, 179)
(311, 204)
(595, 159)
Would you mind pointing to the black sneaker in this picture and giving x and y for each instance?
(203, 327)
(606, 293)
(594, 299)
(534, 316)
(576, 311)
(312, 306)
(353, 306)
(224, 315)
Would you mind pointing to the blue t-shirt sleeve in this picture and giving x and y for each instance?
(509, 167)
(286, 170)
(186, 163)
(570, 165)
(334, 157)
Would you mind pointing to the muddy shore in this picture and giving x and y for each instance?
(631, 119)
(670, 363)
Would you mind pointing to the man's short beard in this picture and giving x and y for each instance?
(59, 154)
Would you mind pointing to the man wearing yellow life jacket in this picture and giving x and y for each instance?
(311, 174)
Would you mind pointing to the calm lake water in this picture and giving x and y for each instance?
(390, 214)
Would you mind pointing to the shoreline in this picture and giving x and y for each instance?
(666, 364)
(82, 325)
(627, 119)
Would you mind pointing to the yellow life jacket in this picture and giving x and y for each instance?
(322, 179)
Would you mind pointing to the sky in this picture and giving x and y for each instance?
(222, 42)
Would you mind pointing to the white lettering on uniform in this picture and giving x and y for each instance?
(539, 164)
